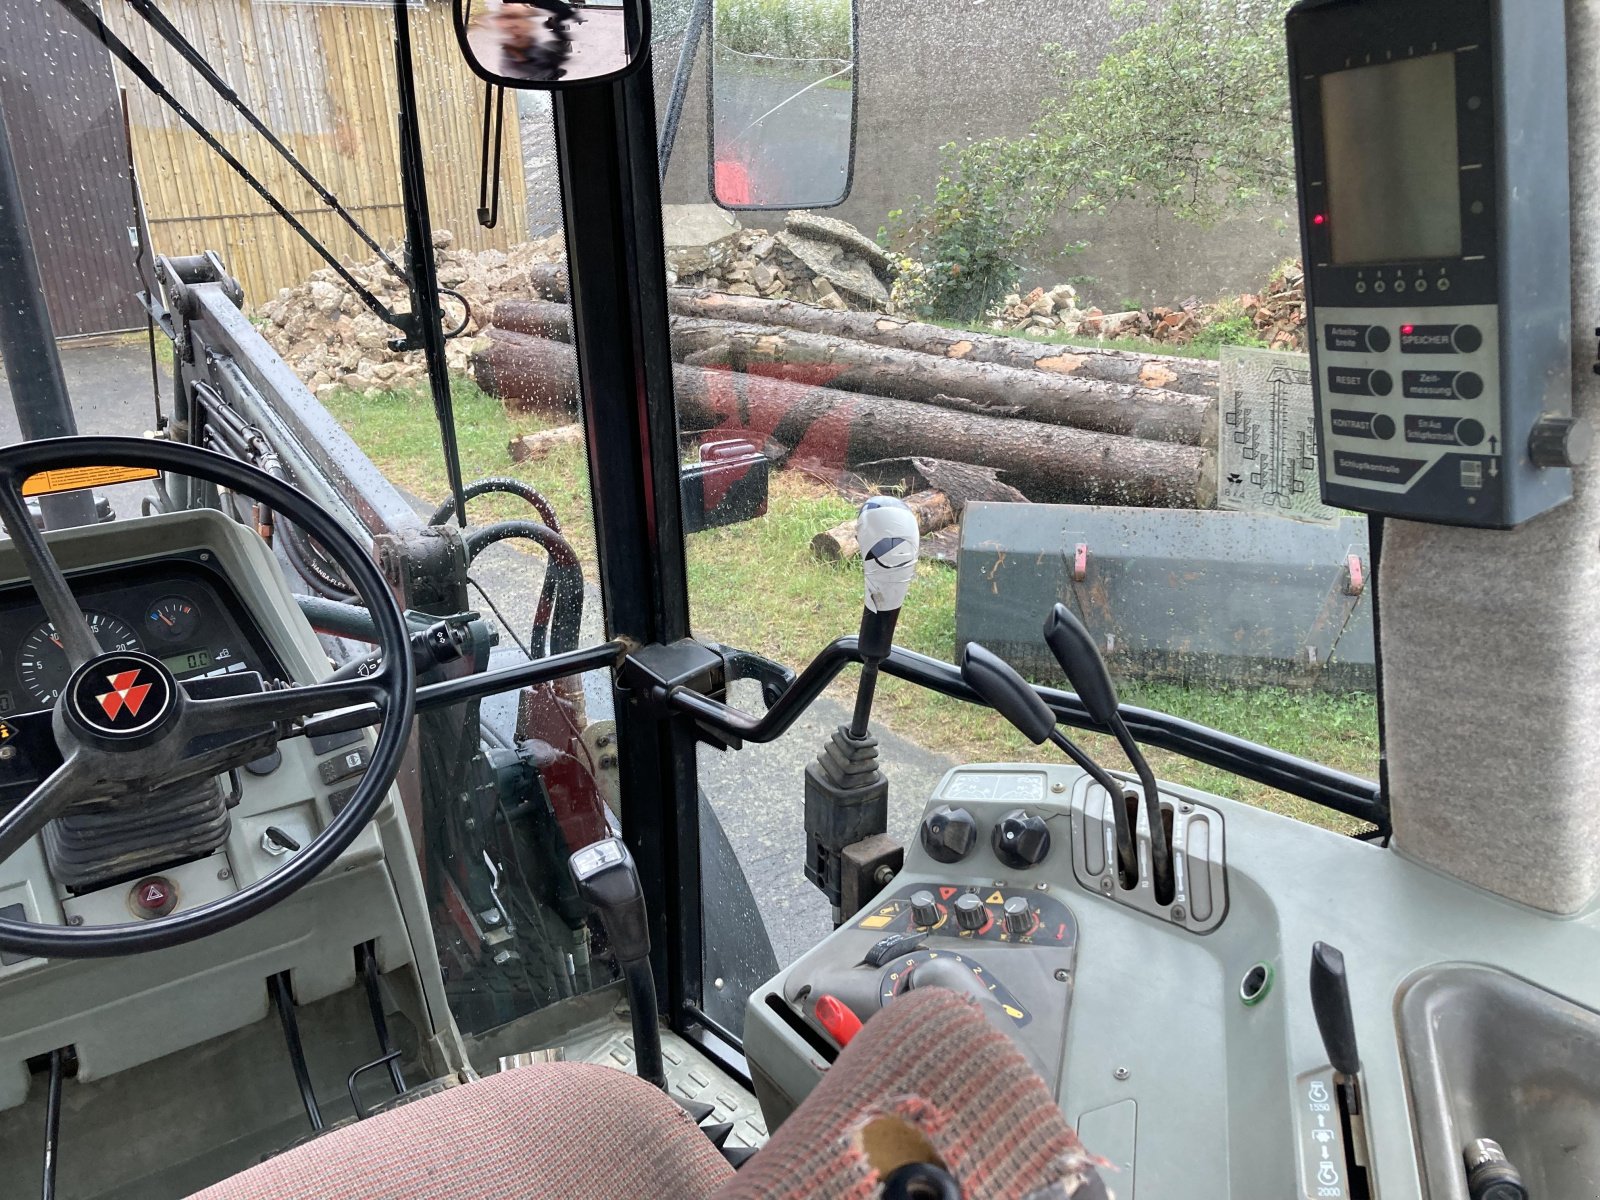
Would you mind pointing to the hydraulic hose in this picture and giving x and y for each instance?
(559, 614)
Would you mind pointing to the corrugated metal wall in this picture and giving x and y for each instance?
(321, 76)
(65, 123)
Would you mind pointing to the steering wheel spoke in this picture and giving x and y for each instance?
(72, 630)
(49, 800)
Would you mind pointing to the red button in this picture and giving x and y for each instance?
(153, 897)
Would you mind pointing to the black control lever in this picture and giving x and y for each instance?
(1009, 694)
(1330, 1000)
(608, 882)
(1080, 658)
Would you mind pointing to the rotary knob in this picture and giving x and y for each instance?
(949, 834)
(1560, 442)
(924, 910)
(1017, 916)
(1021, 839)
(970, 912)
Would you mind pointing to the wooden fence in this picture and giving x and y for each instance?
(321, 75)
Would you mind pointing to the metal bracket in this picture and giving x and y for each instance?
(1337, 608)
(650, 674)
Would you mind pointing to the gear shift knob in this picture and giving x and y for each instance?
(608, 882)
(889, 538)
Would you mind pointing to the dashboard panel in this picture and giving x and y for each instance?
(179, 609)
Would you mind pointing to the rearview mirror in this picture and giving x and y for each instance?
(549, 44)
(783, 102)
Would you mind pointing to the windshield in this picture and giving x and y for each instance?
(1054, 307)
(1060, 314)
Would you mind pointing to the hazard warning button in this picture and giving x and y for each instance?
(153, 896)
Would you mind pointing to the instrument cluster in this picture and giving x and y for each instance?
(179, 610)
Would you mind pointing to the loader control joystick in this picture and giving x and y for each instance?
(847, 796)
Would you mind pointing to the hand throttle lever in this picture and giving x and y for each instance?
(608, 882)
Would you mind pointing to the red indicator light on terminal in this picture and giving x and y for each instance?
(1407, 330)
(1320, 219)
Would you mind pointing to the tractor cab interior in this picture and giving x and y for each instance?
(383, 817)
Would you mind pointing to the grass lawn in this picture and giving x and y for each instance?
(757, 586)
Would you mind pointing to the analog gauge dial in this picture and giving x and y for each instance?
(42, 663)
(172, 619)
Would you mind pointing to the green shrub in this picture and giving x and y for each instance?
(1230, 327)
(1189, 111)
(797, 29)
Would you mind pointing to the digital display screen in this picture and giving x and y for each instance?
(194, 660)
(1393, 169)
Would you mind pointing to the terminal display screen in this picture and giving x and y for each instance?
(1394, 173)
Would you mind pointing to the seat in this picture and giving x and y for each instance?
(927, 1079)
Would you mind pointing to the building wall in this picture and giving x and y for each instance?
(938, 71)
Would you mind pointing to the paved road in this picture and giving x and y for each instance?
(757, 792)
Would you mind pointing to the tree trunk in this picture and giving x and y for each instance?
(958, 384)
(532, 447)
(964, 386)
(934, 510)
(549, 280)
(1168, 372)
(834, 430)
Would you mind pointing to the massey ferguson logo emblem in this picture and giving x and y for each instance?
(126, 695)
(122, 694)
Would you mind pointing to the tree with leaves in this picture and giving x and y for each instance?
(1189, 112)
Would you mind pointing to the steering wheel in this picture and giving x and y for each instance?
(125, 726)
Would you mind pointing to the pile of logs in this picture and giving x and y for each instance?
(831, 390)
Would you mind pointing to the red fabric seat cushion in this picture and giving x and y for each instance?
(563, 1131)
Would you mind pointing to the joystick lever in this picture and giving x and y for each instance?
(1009, 694)
(1080, 658)
(608, 882)
(847, 797)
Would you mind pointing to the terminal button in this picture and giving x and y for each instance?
(1356, 339)
(1440, 339)
(1350, 423)
(1469, 385)
(1359, 381)
(1429, 385)
(1444, 431)
(1355, 465)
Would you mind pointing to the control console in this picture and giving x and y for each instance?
(1437, 297)
(1204, 1058)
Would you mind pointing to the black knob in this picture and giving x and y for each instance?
(949, 834)
(1021, 839)
(1560, 442)
(1018, 918)
(1468, 339)
(924, 910)
(970, 911)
